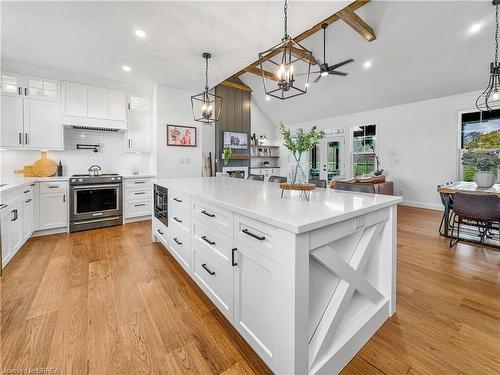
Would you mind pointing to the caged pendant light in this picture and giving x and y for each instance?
(290, 63)
(490, 98)
(206, 106)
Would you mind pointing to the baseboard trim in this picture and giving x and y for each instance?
(429, 206)
(138, 218)
(47, 232)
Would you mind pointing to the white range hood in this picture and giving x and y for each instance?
(94, 123)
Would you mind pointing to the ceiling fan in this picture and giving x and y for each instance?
(325, 69)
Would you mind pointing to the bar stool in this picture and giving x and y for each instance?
(279, 179)
(256, 177)
(319, 183)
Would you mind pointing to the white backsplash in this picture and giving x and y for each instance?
(111, 156)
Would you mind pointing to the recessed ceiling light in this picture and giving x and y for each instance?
(126, 68)
(474, 28)
(367, 64)
(268, 97)
(140, 33)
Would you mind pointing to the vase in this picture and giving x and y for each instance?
(485, 179)
(297, 169)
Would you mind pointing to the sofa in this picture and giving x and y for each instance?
(374, 185)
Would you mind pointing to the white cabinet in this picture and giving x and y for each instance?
(96, 101)
(42, 127)
(12, 229)
(30, 113)
(28, 218)
(12, 133)
(53, 212)
(75, 99)
(137, 198)
(138, 132)
(116, 105)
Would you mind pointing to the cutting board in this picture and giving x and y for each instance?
(27, 171)
(44, 167)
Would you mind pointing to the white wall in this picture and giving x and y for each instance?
(174, 107)
(417, 143)
(260, 123)
(111, 156)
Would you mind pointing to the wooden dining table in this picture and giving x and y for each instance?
(464, 187)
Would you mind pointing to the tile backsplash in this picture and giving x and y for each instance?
(111, 156)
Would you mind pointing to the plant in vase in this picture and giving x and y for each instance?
(298, 144)
(484, 164)
(227, 155)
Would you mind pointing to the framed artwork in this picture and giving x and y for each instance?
(181, 136)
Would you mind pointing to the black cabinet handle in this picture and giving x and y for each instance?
(260, 238)
(27, 200)
(26, 191)
(3, 205)
(177, 241)
(64, 197)
(32, 184)
(26, 139)
(139, 193)
(159, 231)
(20, 138)
(26, 91)
(233, 263)
(204, 238)
(139, 182)
(15, 215)
(19, 90)
(204, 265)
(207, 214)
(53, 186)
(177, 219)
(129, 143)
(178, 200)
(139, 205)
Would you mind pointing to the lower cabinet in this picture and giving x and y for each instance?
(28, 217)
(12, 229)
(137, 197)
(53, 211)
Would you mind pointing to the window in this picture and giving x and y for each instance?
(363, 150)
(480, 143)
(314, 162)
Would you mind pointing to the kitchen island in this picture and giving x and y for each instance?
(306, 284)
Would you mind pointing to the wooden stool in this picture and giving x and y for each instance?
(305, 190)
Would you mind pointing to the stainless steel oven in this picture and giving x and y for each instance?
(161, 203)
(95, 201)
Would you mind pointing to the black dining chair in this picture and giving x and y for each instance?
(279, 179)
(236, 174)
(256, 177)
(319, 183)
(359, 188)
(447, 201)
(483, 210)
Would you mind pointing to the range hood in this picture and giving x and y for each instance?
(93, 123)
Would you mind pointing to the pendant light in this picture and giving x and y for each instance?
(490, 98)
(206, 106)
(289, 64)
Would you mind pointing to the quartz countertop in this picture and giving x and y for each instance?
(261, 201)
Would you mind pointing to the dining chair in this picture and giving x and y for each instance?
(279, 179)
(360, 188)
(237, 174)
(484, 210)
(319, 183)
(447, 201)
(256, 177)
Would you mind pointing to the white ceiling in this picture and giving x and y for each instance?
(97, 38)
(423, 50)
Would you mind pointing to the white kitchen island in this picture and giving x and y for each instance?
(305, 283)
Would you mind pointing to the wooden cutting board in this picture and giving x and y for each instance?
(44, 167)
(27, 171)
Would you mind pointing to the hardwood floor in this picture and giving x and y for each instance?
(110, 301)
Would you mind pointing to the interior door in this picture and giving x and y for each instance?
(332, 158)
(12, 121)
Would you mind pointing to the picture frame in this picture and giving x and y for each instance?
(181, 136)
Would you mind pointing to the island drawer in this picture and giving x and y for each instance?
(180, 242)
(213, 277)
(178, 200)
(181, 217)
(216, 243)
(160, 230)
(257, 235)
(214, 216)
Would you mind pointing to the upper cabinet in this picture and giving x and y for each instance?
(94, 106)
(139, 124)
(31, 112)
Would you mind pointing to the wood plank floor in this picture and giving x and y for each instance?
(109, 301)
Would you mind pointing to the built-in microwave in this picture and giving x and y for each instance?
(161, 203)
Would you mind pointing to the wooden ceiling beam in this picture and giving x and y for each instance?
(352, 19)
(236, 85)
(258, 71)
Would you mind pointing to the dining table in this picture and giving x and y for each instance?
(448, 190)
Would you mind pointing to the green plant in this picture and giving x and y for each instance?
(227, 155)
(483, 161)
(300, 142)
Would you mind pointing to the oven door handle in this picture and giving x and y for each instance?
(87, 187)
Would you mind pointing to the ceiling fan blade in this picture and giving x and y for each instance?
(304, 74)
(336, 73)
(317, 78)
(338, 65)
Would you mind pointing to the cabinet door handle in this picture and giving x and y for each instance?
(26, 191)
(3, 205)
(159, 231)
(53, 186)
(20, 138)
(129, 143)
(19, 90)
(234, 250)
(177, 241)
(247, 232)
(177, 219)
(204, 265)
(178, 200)
(204, 238)
(26, 139)
(139, 205)
(207, 214)
(15, 215)
(139, 193)
(27, 200)
(64, 197)
(32, 184)
(139, 182)
(26, 91)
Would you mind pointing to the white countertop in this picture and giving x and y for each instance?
(261, 201)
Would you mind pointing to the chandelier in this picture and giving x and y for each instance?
(490, 98)
(206, 106)
(286, 67)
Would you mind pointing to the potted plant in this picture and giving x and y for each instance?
(485, 164)
(227, 155)
(298, 144)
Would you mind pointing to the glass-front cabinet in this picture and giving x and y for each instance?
(30, 86)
